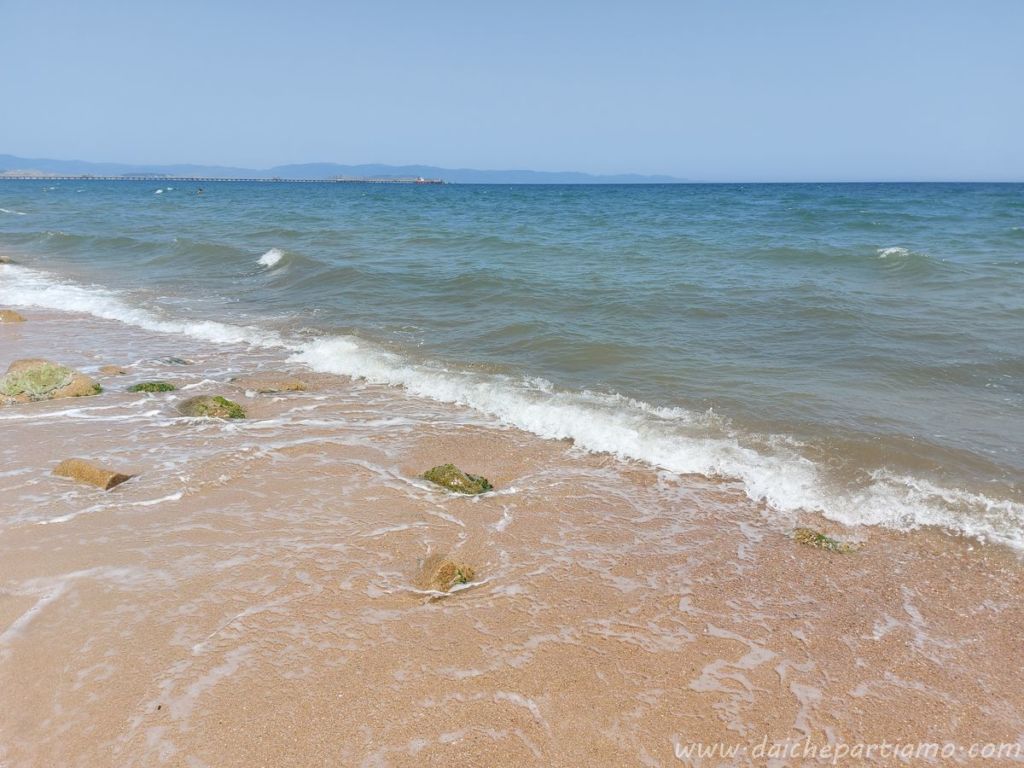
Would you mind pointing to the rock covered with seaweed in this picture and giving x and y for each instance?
(215, 407)
(454, 479)
(35, 379)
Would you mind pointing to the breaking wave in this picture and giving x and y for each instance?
(271, 258)
(771, 469)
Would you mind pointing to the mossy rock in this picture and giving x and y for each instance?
(449, 574)
(152, 386)
(34, 379)
(215, 407)
(454, 479)
(817, 539)
(440, 573)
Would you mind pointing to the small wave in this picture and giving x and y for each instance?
(893, 252)
(27, 287)
(13, 213)
(158, 192)
(771, 470)
(271, 258)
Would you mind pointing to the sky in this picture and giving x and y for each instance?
(714, 90)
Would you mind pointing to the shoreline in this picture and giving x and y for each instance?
(851, 478)
(251, 595)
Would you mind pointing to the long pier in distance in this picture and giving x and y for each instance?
(207, 179)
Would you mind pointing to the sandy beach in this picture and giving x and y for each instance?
(256, 594)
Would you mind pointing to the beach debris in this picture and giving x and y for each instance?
(215, 407)
(10, 316)
(86, 472)
(454, 479)
(269, 383)
(152, 386)
(813, 538)
(112, 370)
(34, 379)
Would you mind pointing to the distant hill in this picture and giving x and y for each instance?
(9, 163)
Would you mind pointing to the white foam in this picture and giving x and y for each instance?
(682, 442)
(158, 192)
(21, 286)
(675, 439)
(896, 251)
(271, 257)
(13, 213)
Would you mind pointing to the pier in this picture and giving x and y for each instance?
(211, 179)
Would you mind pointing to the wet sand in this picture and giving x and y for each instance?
(254, 596)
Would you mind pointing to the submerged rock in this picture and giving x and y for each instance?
(812, 538)
(86, 472)
(112, 370)
(10, 316)
(454, 479)
(175, 361)
(216, 407)
(441, 574)
(34, 379)
(152, 386)
(267, 383)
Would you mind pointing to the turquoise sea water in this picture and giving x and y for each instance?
(856, 349)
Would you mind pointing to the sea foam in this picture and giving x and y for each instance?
(271, 258)
(893, 252)
(685, 442)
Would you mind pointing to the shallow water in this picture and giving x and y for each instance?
(253, 596)
(852, 349)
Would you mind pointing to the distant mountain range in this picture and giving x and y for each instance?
(12, 165)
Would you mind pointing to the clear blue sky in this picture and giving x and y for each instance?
(704, 89)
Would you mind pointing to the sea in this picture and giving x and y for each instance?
(855, 350)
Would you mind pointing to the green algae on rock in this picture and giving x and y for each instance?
(215, 407)
(449, 573)
(812, 538)
(454, 479)
(439, 573)
(152, 386)
(34, 379)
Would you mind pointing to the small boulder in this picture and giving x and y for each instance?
(441, 574)
(215, 407)
(10, 316)
(812, 538)
(268, 383)
(152, 386)
(86, 472)
(454, 479)
(112, 370)
(33, 379)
